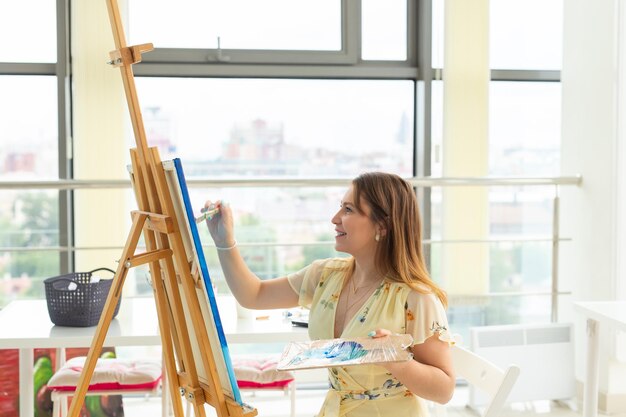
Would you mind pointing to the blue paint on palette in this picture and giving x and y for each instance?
(336, 353)
(207, 279)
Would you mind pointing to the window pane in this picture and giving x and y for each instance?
(514, 211)
(296, 128)
(521, 211)
(525, 128)
(467, 312)
(520, 267)
(29, 223)
(240, 24)
(28, 128)
(520, 257)
(28, 31)
(384, 30)
(526, 34)
(523, 34)
(23, 273)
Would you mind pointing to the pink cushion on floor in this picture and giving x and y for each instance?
(256, 371)
(109, 374)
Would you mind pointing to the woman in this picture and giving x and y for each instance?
(384, 286)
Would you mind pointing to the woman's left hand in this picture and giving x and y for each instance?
(378, 333)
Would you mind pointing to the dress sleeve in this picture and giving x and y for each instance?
(305, 281)
(425, 316)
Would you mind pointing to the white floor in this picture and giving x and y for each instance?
(276, 404)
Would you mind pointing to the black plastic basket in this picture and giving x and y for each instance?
(75, 301)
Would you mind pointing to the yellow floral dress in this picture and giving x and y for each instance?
(366, 390)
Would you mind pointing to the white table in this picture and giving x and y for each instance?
(26, 325)
(608, 314)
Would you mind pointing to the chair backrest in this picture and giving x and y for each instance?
(485, 376)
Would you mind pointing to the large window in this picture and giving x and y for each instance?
(309, 90)
(524, 141)
(29, 132)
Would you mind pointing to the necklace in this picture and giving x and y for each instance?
(354, 289)
(343, 316)
(361, 297)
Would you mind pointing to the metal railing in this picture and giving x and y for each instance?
(418, 182)
(295, 182)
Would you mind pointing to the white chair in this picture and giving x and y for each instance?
(485, 376)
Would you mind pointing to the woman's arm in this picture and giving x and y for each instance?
(430, 374)
(248, 289)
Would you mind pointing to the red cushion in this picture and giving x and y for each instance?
(275, 384)
(112, 386)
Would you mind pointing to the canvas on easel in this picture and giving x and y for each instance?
(195, 353)
(206, 294)
(185, 217)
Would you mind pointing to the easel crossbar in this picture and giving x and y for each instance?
(147, 257)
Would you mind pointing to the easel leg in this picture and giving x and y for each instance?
(106, 317)
(177, 317)
(165, 394)
(166, 342)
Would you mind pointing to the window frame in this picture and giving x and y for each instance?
(245, 63)
(62, 71)
(346, 55)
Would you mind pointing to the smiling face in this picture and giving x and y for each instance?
(355, 231)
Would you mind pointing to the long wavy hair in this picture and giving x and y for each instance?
(399, 253)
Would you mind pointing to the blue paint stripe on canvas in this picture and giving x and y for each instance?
(207, 279)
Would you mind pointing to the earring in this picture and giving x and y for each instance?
(377, 237)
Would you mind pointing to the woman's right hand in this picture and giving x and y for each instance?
(247, 288)
(221, 225)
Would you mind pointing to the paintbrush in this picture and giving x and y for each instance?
(207, 214)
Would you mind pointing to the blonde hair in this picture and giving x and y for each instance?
(399, 253)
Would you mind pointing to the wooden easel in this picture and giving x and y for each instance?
(170, 269)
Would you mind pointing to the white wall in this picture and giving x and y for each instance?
(593, 214)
